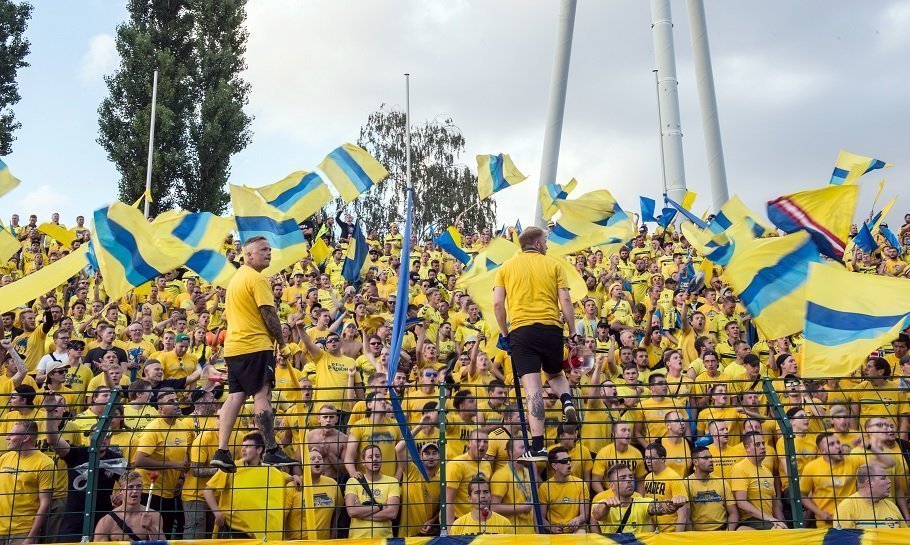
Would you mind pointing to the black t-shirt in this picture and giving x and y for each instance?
(95, 354)
(175, 383)
(75, 502)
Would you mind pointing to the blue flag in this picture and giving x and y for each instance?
(688, 215)
(891, 238)
(666, 217)
(357, 256)
(864, 239)
(648, 206)
(398, 328)
(450, 241)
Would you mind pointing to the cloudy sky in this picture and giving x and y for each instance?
(796, 82)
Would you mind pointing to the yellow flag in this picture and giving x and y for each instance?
(689, 200)
(9, 245)
(58, 233)
(319, 251)
(38, 283)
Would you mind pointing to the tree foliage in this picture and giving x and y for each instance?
(221, 127)
(443, 188)
(14, 48)
(197, 47)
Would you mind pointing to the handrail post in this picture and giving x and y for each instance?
(777, 410)
(91, 474)
(443, 527)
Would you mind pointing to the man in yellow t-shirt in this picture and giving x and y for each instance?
(619, 451)
(26, 485)
(563, 498)
(250, 503)
(459, 472)
(373, 500)
(163, 447)
(253, 329)
(529, 294)
(620, 501)
(664, 484)
(510, 487)
(711, 502)
(481, 519)
(335, 374)
(871, 505)
(326, 500)
(753, 487)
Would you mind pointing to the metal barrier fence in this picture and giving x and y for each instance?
(754, 454)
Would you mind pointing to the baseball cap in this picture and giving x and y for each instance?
(429, 446)
(182, 338)
(75, 344)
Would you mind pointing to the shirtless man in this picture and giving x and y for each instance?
(130, 521)
(328, 440)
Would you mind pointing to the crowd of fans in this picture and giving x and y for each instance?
(677, 431)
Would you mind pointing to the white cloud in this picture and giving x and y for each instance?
(42, 201)
(894, 22)
(100, 59)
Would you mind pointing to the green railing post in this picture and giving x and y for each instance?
(443, 529)
(779, 414)
(91, 475)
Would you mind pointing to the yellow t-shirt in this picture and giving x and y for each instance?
(858, 512)
(563, 499)
(247, 291)
(21, 477)
(385, 436)
(639, 520)
(178, 366)
(419, 501)
(531, 281)
(608, 456)
(258, 506)
(662, 487)
(513, 487)
(330, 385)
(469, 526)
(708, 501)
(326, 499)
(163, 441)
(757, 483)
(459, 472)
(32, 345)
(383, 489)
(828, 484)
(201, 451)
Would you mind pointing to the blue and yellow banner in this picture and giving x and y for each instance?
(769, 275)
(255, 217)
(300, 194)
(850, 166)
(848, 316)
(130, 252)
(825, 213)
(8, 182)
(352, 170)
(550, 194)
(495, 173)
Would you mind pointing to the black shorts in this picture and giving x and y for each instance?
(536, 347)
(248, 373)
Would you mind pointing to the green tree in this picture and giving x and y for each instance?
(157, 35)
(443, 188)
(14, 48)
(221, 128)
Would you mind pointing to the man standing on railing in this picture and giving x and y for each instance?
(249, 351)
(529, 292)
(870, 506)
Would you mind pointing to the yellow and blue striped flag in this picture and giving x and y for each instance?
(842, 330)
(205, 233)
(551, 193)
(850, 166)
(9, 244)
(450, 241)
(255, 217)
(356, 256)
(8, 182)
(769, 275)
(129, 250)
(594, 219)
(299, 194)
(732, 212)
(495, 173)
(352, 170)
(825, 213)
(719, 248)
(864, 239)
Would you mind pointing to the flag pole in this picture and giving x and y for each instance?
(148, 168)
(407, 129)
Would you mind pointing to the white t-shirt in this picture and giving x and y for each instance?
(48, 358)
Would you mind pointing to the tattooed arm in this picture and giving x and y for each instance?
(272, 323)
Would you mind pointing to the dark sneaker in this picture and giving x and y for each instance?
(223, 461)
(277, 457)
(569, 417)
(534, 456)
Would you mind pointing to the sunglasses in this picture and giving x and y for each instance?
(332, 340)
(430, 374)
(563, 461)
(374, 343)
